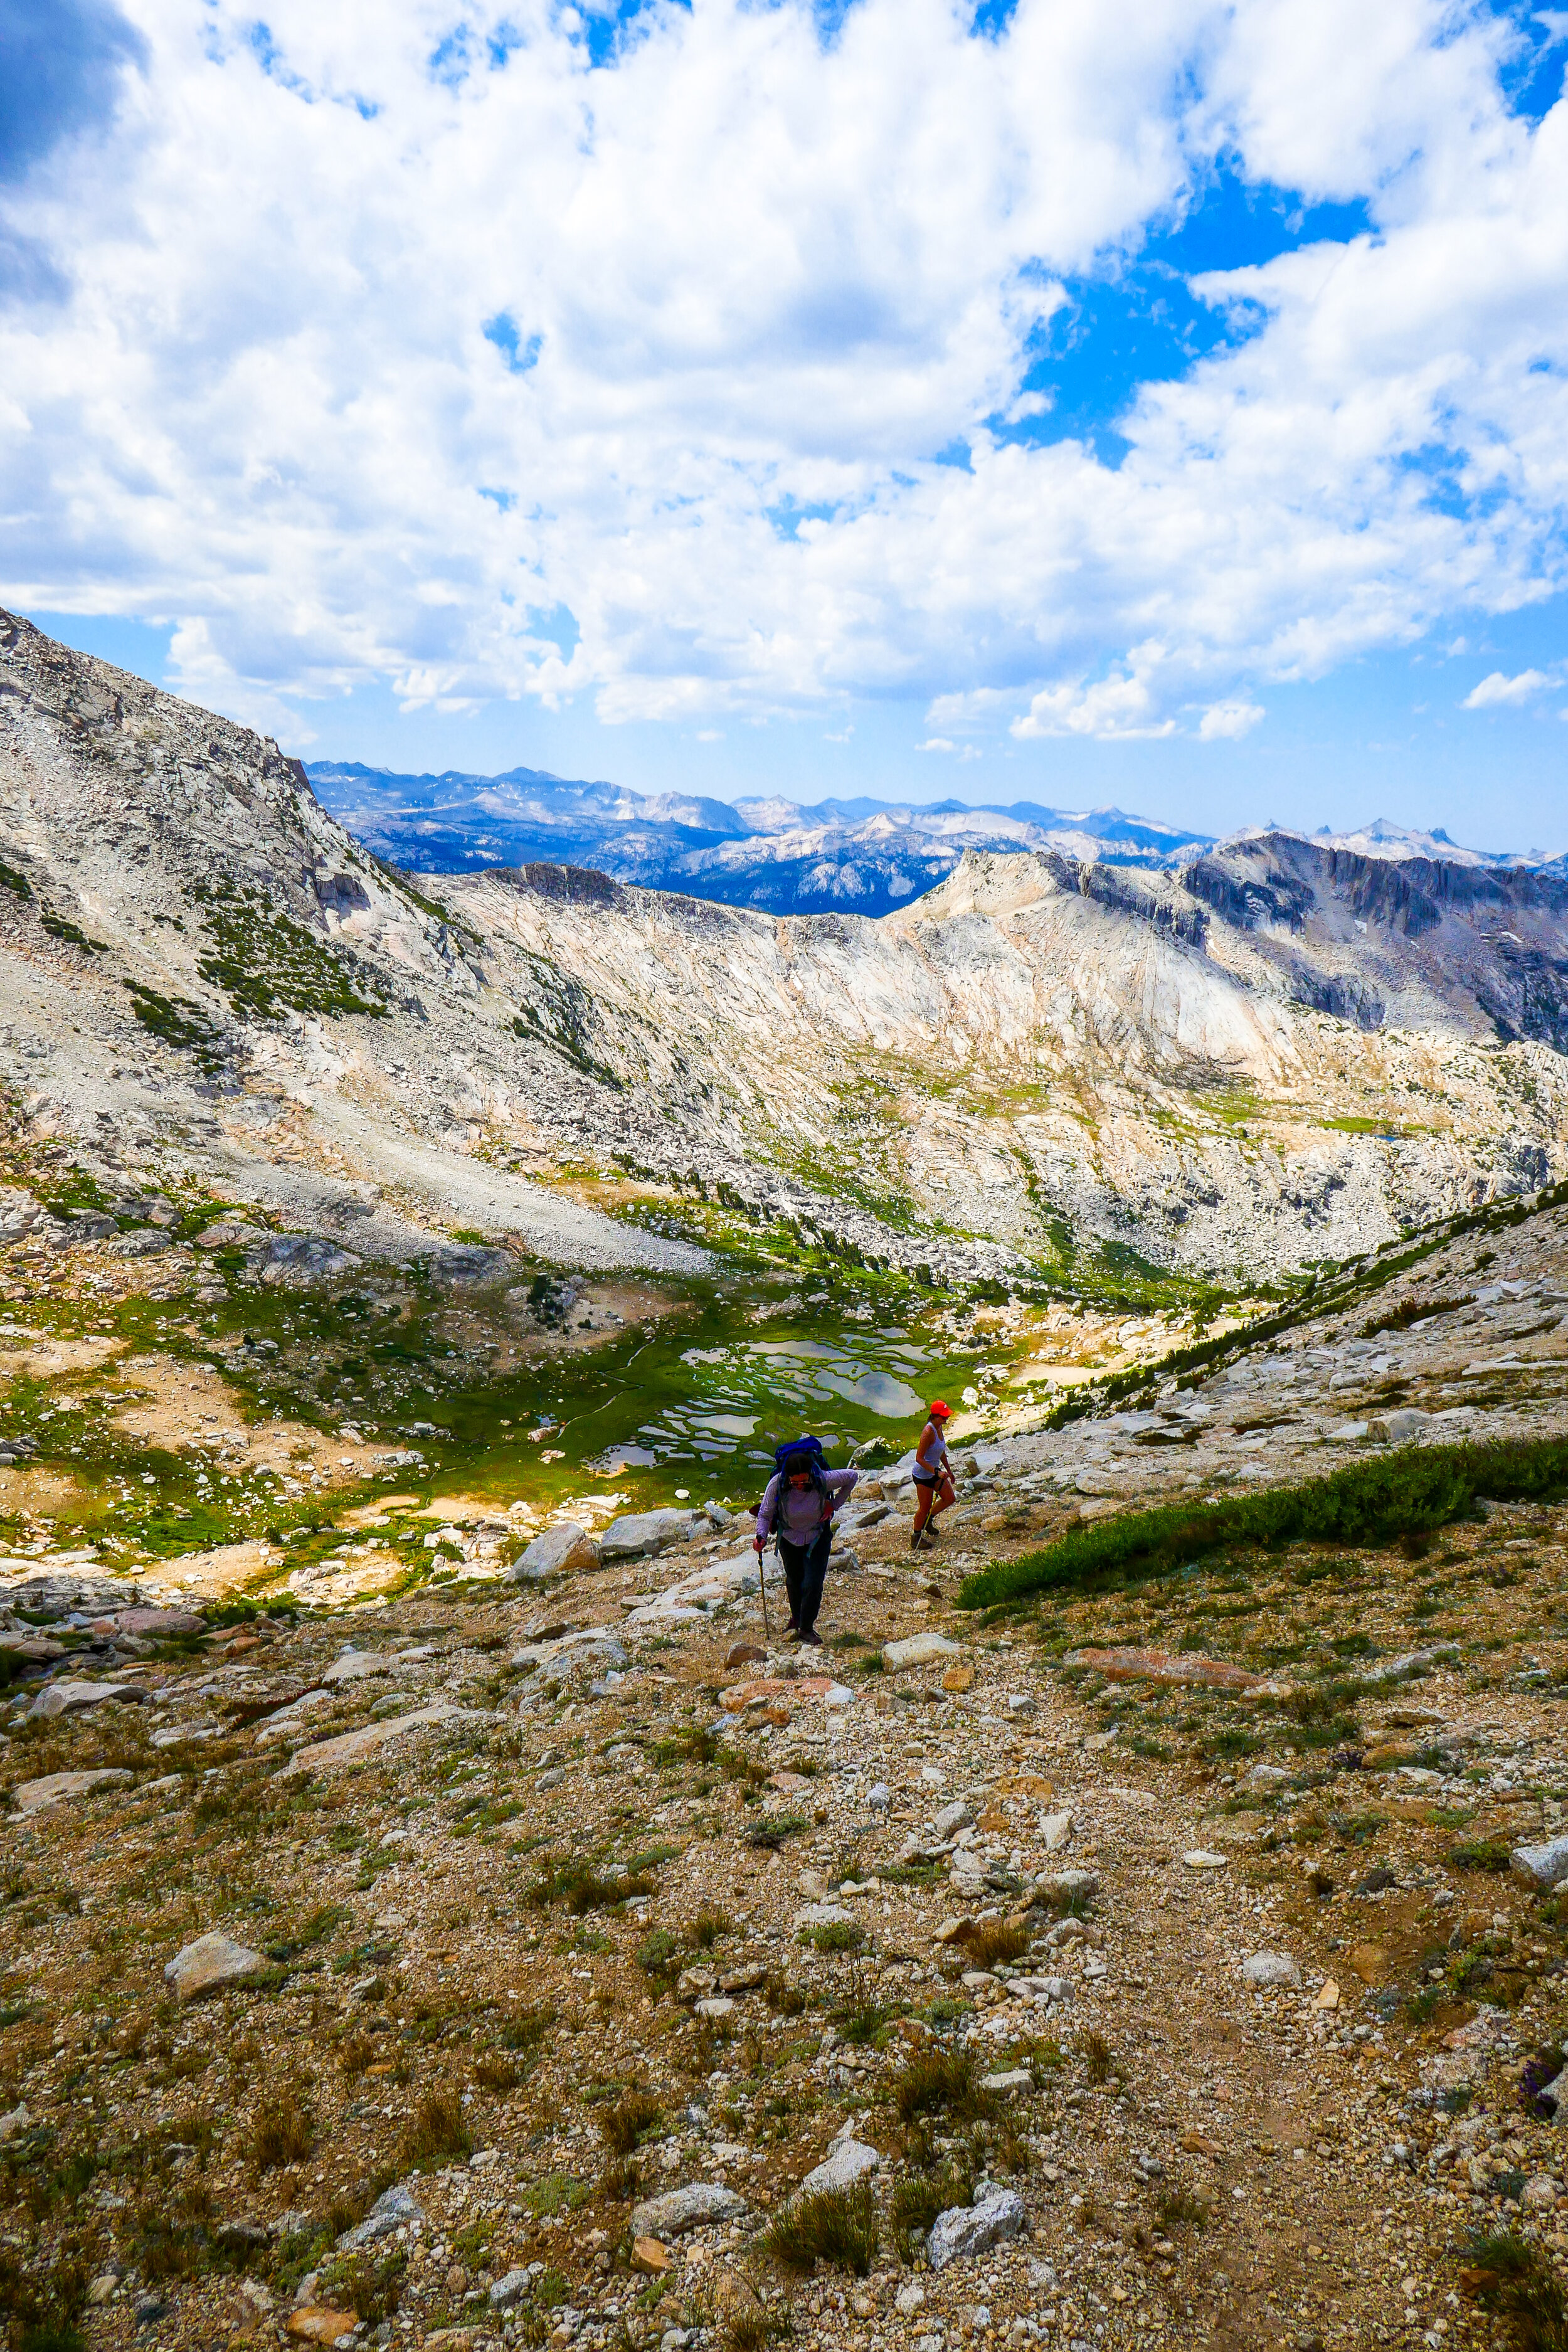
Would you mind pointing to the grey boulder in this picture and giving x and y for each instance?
(918, 1650)
(685, 2209)
(393, 2209)
(1542, 1866)
(964, 2230)
(556, 1552)
(646, 1532)
(508, 2291)
(850, 2161)
(72, 1698)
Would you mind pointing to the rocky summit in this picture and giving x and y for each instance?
(443, 1908)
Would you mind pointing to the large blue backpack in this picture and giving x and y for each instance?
(799, 1454)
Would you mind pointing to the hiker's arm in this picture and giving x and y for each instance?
(765, 1514)
(839, 1484)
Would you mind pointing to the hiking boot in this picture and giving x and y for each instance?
(915, 1539)
(791, 1633)
(813, 1639)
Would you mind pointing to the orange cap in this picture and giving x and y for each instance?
(940, 1411)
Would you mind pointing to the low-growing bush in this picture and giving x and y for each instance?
(629, 2121)
(1414, 1489)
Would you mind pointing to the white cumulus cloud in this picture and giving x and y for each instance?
(381, 343)
(1226, 722)
(1498, 689)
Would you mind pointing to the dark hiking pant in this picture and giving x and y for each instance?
(804, 1566)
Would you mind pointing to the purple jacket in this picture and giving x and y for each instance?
(800, 1514)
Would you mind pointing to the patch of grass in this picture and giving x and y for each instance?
(835, 1936)
(1412, 1489)
(919, 2198)
(771, 1831)
(438, 2131)
(1479, 1853)
(494, 2070)
(837, 2227)
(941, 2081)
(284, 2133)
(1513, 2279)
(527, 2031)
(660, 1955)
(1097, 2059)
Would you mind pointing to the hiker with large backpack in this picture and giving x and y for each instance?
(802, 1495)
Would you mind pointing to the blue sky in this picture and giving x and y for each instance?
(1169, 412)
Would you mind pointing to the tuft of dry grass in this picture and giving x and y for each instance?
(354, 2054)
(634, 2115)
(283, 2134)
(438, 2131)
(989, 1941)
(1098, 2058)
(704, 1931)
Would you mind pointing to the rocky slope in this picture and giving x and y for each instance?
(500, 1965)
(1284, 1054)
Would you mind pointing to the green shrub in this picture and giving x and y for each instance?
(1416, 1487)
(1513, 2279)
(941, 2081)
(1480, 1854)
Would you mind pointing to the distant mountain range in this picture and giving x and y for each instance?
(862, 857)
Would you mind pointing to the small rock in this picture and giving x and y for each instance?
(745, 1654)
(714, 2005)
(211, 1964)
(1201, 1859)
(880, 1798)
(910, 2298)
(102, 2287)
(918, 1650)
(1056, 1829)
(1539, 2193)
(355, 1666)
(964, 2231)
(1013, 2083)
(949, 1821)
(1329, 1997)
(821, 1915)
(1269, 1970)
(959, 1679)
(317, 2322)
(561, 1550)
(648, 2255)
(850, 2161)
(160, 1622)
(16, 2120)
(685, 2209)
(1070, 1885)
(1021, 1703)
(509, 2290)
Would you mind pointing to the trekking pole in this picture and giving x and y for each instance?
(762, 1587)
